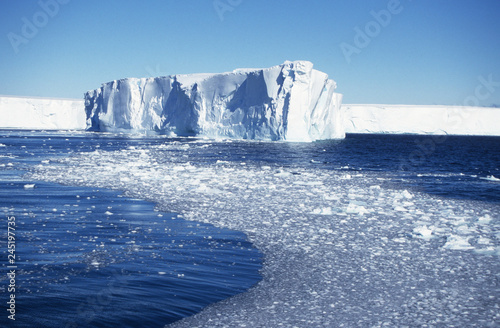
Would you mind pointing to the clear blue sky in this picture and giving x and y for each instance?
(430, 52)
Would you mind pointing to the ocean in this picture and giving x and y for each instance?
(141, 231)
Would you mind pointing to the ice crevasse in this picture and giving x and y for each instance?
(292, 102)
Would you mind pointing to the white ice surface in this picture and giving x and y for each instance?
(416, 119)
(291, 102)
(42, 113)
(341, 250)
(258, 109)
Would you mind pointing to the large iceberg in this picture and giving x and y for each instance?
(290, 102)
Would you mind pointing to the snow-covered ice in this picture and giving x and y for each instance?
(42, 113)
(419, 119)
(291, 102)
(339, 252)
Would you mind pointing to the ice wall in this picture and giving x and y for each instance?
(415, 119)
(291, 102)
(41, 113)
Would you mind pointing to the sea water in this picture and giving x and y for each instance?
(87, 257)
(366, 231)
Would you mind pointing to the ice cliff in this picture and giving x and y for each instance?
(41, 113)
(290, 102)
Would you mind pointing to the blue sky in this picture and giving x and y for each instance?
(416, 52)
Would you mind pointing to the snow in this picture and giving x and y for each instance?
(419, 119)
(290, 102)
(41, 113)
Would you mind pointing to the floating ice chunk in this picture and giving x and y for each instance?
(283, 174)
(206, 190)
(400, 208)
(489, 250)
(332, 197)
(29, 186)
(323, 211)
(406, 194)
(108, 213)
(423, 232)
(308, 183)
(353, 208)
(486, 219)
(456, 242)
(464, 229)
(2, 145)
(491, 178)
(484, 241)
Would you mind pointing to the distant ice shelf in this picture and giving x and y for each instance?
(291, 102)
(41, 113)
(420, 119)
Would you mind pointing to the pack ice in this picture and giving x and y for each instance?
(291, 102)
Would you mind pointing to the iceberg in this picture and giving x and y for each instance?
(41, 113)
(292, 102)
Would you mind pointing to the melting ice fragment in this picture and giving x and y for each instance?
(423, 232)
(491, 178)
(456, 242)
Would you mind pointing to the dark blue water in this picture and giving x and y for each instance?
(93, 258)
(90, 257)
(449, 166)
